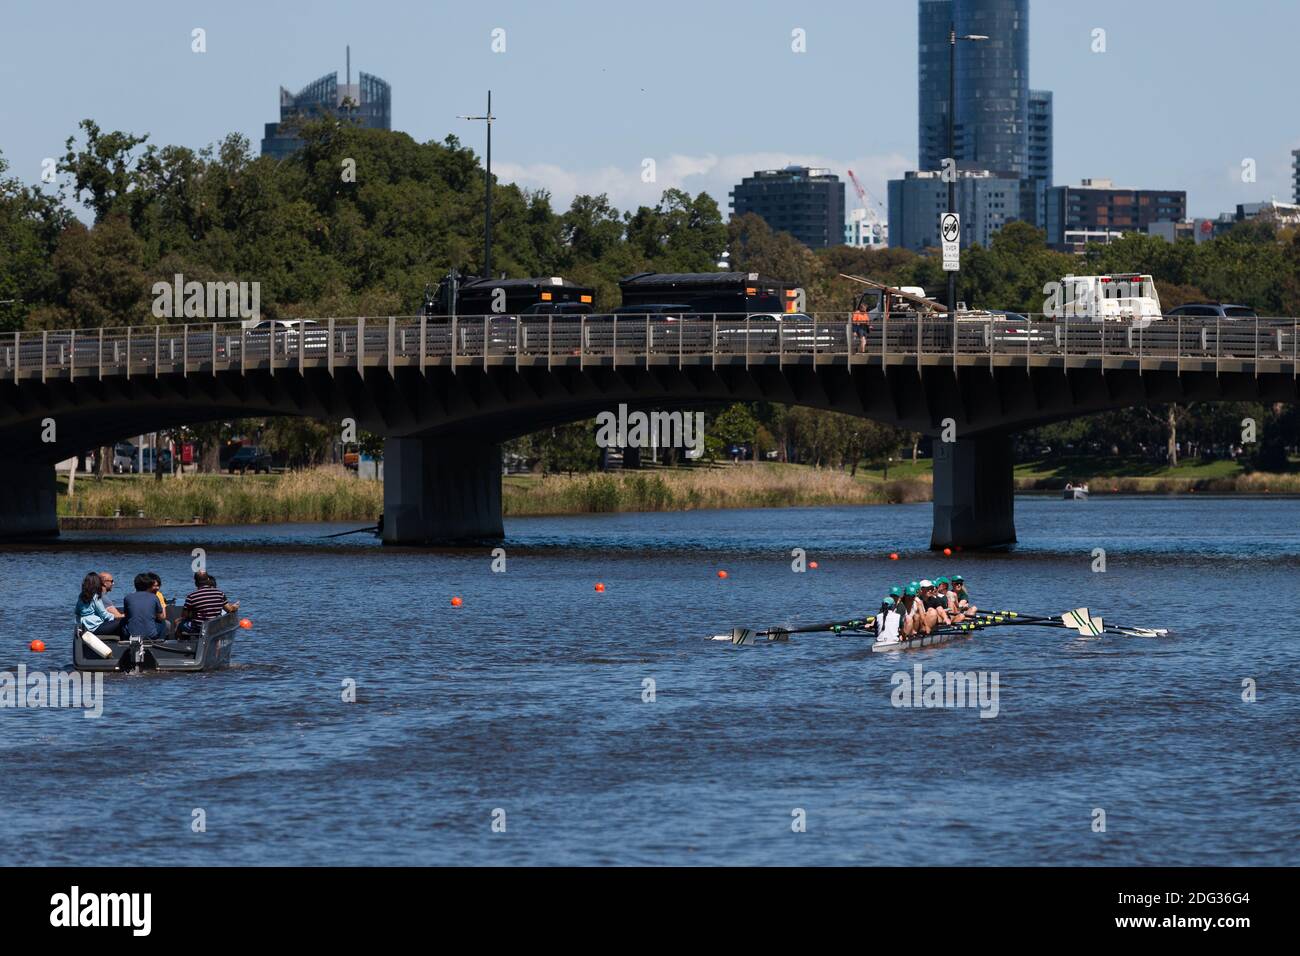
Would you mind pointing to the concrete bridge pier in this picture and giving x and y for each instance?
(441, 491)
(974, 493)
(27, 497)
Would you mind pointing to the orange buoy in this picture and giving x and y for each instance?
(600, 588)
(38, 646)
(947, 552)
(813, 565)
(893, 556)
(246, 624)
(722, 574)
(456, 602)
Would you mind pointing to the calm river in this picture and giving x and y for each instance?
(527, 705)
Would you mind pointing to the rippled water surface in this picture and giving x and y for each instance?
(529, 698)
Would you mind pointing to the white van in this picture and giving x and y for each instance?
(1125, 296)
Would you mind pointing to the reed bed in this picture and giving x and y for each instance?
(318, 494)
(1253, 483)
(740, 486)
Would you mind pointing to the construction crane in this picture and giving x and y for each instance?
(865, 203)
(864, 198)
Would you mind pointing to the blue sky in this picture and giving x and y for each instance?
(710, 90)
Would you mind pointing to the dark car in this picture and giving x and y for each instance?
(1213, 310)
(249, 458)
(557, 308)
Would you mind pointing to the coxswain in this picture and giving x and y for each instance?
(889, 621)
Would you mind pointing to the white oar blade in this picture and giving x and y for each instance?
(1074, 619)
(742, 637)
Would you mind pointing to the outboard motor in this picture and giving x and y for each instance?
(137, 654)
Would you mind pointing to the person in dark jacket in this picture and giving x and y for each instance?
(144, 613)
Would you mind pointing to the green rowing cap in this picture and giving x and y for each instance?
(957, 579)
(895, 592)
(942, 581)
(911, 590)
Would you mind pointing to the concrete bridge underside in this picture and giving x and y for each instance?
(444, 427)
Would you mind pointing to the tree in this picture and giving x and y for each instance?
(302, 442)
(735, 426)
(103, 170)
(570, 448)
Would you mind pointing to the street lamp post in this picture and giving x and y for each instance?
(952, 148)
(487, 189)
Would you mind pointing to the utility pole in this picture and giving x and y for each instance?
(952, 148)
(487, 189)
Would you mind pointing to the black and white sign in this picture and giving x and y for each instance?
(950, 231)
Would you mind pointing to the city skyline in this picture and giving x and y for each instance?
(616, 116)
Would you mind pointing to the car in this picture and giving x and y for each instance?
(249, 458)
(1214, 310)
(125, 458)
(283, 336)
(164, 457)
(557, 308)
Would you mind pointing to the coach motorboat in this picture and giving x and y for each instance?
(210, 651)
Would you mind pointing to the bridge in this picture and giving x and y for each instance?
(445, 393)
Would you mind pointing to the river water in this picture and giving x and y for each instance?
(530, 706)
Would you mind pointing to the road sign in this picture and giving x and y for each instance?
(950, 231)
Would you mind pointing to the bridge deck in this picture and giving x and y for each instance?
(1182, 344)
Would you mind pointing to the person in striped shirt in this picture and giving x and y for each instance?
(207, 600)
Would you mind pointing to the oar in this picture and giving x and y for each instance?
(1077, 620)
(744, 637)
(339, 534)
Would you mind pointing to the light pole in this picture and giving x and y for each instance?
(952, 148)
(487, 190)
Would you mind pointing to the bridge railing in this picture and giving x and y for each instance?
(410, 340)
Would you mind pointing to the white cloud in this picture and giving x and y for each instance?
(710, 173)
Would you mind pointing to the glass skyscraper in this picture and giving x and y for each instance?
(992, 112)
(368, 103)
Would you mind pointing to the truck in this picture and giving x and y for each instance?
(710, 293)
(1124, 296)
(470, 295)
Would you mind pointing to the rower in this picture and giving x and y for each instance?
(889, 622)
(934, 607)
(912, 612)
(944, 592)
(964, 603)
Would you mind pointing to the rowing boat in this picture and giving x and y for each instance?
(1077, 620)
(921, 640)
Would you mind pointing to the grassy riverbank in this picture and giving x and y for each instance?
(321, 494)
(1135, 476)
(746, 485)
(332, 494)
